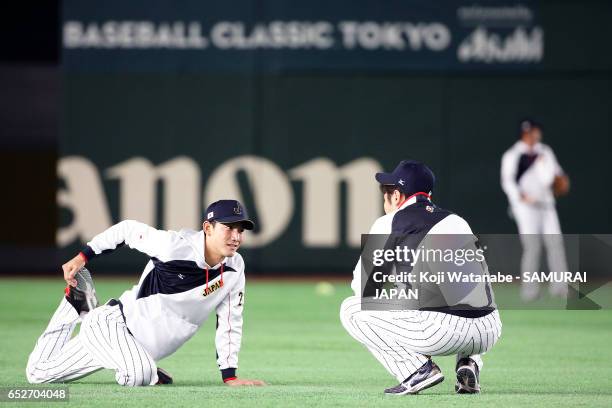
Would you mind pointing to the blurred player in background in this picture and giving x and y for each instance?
(190, 275)
(403, 341)
(531, 177)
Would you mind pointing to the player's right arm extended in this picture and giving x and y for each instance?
(135, 234)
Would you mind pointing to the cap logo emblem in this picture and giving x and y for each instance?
(210, 215)
(429, 208)
(401, 182)
(237, 210)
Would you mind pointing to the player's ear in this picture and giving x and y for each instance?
(207, 227)
(398, 195)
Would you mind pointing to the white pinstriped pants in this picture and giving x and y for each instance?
(401, 340)
(103, 342)
(537, 226)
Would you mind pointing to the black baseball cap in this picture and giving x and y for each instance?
(227, 212)
(410, 176)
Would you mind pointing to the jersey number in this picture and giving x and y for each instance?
(241, 298)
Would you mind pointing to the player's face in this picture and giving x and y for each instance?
(536, 134)
(225, 239)
(533, 136)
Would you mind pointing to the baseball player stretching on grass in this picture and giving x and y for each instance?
(403, 341)
(190, 274)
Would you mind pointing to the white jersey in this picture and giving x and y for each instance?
(451, 224)
(178, 290)
(530, 171)
(417, 221)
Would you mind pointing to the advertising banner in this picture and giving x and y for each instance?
(270, 36)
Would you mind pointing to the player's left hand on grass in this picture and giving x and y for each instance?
(239, 382)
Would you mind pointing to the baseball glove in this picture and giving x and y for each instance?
(561, 185)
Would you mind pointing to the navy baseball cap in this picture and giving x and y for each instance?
(227, 212)
(410, 176)
(528, 124)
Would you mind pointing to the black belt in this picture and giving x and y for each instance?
(117, 302)
(462, 311)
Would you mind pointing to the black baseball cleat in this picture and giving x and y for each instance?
(83, 296)
(427, 376)
(468, 377)
(163, 377)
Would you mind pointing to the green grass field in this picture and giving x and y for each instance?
(293, 339)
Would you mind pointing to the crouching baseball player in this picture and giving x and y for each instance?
(404, 340)
(190, 275)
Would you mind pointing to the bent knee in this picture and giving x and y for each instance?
(350, 305)
(32, 377)
(350, 311)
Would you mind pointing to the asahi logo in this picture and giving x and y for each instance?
(521, 46)
(183, 196)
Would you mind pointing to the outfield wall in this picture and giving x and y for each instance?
(156, 125)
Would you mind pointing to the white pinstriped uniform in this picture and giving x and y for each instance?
(400, 340)
(537, 222)
(175, 295)
(103, 342)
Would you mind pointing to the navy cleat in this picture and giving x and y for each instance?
(427, 376)
(83, 296)
(163, 377)
(468, 377)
